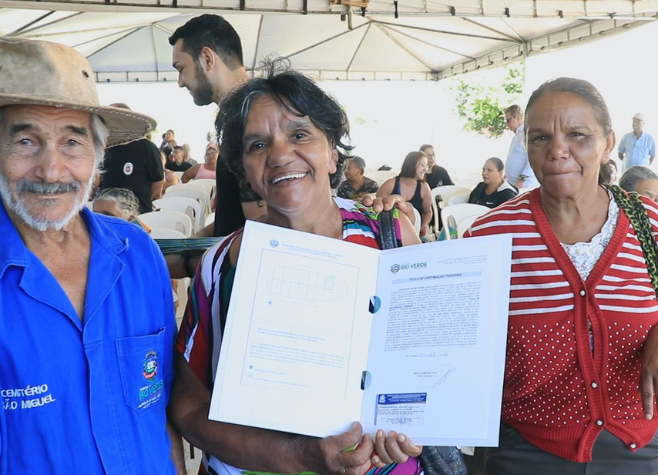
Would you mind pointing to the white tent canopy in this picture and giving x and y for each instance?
(383, 40)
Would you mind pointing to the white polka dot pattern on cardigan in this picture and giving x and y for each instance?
(559, 392)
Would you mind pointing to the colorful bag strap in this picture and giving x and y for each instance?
(632, 205)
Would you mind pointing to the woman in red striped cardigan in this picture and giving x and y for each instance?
(582, 355)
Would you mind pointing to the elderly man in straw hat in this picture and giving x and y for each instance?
(86, 315)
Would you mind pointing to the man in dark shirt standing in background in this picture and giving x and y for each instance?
(208, 57)
(135, 166)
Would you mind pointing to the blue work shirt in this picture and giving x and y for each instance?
(86, 396)
(637, 151)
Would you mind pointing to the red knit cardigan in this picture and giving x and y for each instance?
(573, 347)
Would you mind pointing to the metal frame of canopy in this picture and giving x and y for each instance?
(376, 40)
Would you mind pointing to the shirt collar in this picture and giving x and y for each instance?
(13, 250)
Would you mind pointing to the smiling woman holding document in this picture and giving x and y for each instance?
(284, 135)
(582, 348)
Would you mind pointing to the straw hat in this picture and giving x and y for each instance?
(639, 116)
(50, 74)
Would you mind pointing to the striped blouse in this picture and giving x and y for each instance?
(200, 335)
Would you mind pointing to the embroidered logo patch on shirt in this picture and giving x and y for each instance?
(152, 392)
(150, 365)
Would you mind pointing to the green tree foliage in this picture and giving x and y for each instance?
(482, 105)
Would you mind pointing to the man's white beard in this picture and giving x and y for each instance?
(17, 205)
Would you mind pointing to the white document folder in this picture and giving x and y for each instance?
(321, 333)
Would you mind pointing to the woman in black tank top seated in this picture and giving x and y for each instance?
(493, 190)
(410, 185)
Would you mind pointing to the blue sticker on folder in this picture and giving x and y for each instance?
(401, 398)
(394, 410)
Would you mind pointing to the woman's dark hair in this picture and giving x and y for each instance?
(498, 163)
(607, 172)
(296, 93)
(635, 174)
(580, 88)
(408, 169)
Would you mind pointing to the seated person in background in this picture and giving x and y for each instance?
(261, 123)
(410, 186)
(608, 173)
(210, 138)
(203, 170)
(356, 185)
(186, 155)
(176, 161)
(170, 177)
(435, 175)
(118, 202)
(641, 180)
(493, 190)
(168, 142)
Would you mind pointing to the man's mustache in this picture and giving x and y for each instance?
(40, 188)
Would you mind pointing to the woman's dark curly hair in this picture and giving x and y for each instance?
(299, 95)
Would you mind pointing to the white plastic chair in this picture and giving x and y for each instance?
(445, 192)
(166, 233)
(189, 190)
(469, 180)
(466, 223)
(457, 199)
(168, 219)
(210, 219)
(209, 184)
(189, 206)
(187, 186)
(380, 176)
(417, 220)
(464, 215)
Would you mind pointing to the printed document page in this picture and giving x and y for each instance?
(297, 333)
(437, 351)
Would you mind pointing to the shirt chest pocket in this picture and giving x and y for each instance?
(142, 378)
